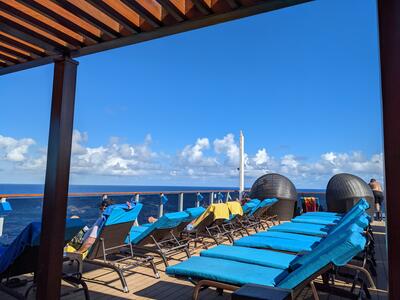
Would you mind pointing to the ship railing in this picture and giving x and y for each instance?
(214, 196)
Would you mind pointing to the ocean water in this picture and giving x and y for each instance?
(26, 210)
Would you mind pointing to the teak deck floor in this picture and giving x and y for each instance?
(104, 284)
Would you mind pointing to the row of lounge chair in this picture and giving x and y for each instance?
(121, 245)
(289, 256)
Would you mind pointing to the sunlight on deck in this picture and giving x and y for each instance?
(104, 284)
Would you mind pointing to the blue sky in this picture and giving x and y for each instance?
(302, 83)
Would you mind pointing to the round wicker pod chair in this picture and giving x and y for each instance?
(344, 190)
(274, 185)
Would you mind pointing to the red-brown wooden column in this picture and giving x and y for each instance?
(57, 179)
(389, 31)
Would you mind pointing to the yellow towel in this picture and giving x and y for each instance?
(219, 211)
(235, 208)
(69, 249)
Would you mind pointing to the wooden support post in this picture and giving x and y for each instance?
(180, 204)
(57, 179)
(389, 35)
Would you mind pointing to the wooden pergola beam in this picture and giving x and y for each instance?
(172, 10)
(142, 12)
(117, 16)
(38, 23)
(59, 17)
(23, 46)
(389, 37)
(27, 38)
(78, 11)
(15, 53)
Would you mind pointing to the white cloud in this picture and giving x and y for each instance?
(193, 155)
(13, 149)
(228, 147)
(261, 157)
(197, 163)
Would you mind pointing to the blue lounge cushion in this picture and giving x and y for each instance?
(290, 236)
(260, 257)
(249, 205)
(195, 212)
(316, 220)
(169, 220)
(122, 215)
(307, 229)
(262, 204)
(275, 243)
(227, 271)
(339, 253)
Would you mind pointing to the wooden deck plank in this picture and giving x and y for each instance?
(143, 285)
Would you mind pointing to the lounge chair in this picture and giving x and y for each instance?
(306, 236)
(230, 275)
(208, 226)
(162, 236)
(21, 257)
(233, 227)
(111, 250)
(317, 229)
(258, 216)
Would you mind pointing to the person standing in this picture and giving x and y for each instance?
(378, 195)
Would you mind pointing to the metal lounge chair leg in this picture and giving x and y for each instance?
(314, 291)
(153, 266)
(122, 279)
(365, 272)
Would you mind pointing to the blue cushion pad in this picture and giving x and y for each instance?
(227, 271)
(290, 236)
(316, 220)
(260, 257)
(275, 243)
(310, 229)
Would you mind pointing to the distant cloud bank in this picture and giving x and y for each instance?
(204, 162)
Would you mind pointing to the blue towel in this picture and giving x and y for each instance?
(30, 236)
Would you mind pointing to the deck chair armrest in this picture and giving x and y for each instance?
(261, 292)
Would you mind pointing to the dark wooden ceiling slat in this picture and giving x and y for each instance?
(117, 16)
(7, 58)
(15, 53)
(62, 20)
(144, 13)
(39, 24)
(233, 4)
(172, 10)
(202, 7)
(14, 43)
(29, 35)
(89, 18)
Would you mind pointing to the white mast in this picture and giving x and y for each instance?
(241, 166)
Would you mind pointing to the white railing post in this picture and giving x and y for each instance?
(161, 207)
(180, 203)
(197, 200)
(228, 197)
(2, 200)
(137, 197)
(211, 197)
